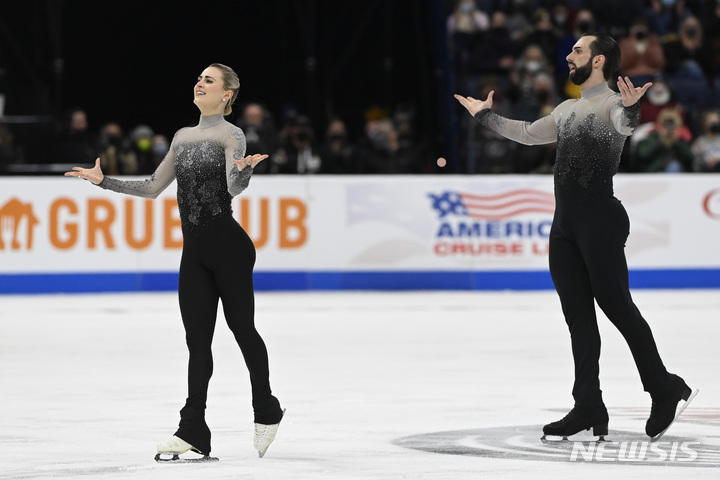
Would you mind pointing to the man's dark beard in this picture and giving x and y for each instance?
(581, 74)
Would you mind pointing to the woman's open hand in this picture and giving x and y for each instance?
(95, 174)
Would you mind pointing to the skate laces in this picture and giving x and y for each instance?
(264, 433)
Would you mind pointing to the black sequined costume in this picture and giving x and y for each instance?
(217, 262)
(588, 234)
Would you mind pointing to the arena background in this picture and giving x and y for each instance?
(136, 61)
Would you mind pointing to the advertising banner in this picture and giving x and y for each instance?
(334, 232)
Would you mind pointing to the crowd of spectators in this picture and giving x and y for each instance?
(387, 145)
(518, 47)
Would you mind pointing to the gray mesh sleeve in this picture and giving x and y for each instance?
(624, 119)
(148, 188)
(539, 132)
(237, 180)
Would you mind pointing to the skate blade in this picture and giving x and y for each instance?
(677, 415)
(176, 458)
(556, 439)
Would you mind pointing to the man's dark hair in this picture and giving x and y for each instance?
(607, 46)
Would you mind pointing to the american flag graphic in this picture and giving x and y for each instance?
(493, 207)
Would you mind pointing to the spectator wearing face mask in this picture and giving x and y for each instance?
(642, 54)
(382, 152)
(659, 96)
(545, 34)
(467, 18)
(706, 147)
(667, 148)
(260, 133)
(116, 156)
(684, 53)
(298, 152)
(528, 67)
(338, 154)
(141, 145)
(560, 16)
(544, 99)
(582, 22)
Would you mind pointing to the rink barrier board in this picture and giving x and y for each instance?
(352, 233)
(328, 281)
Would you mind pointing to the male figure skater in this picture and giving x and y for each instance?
(589, 230)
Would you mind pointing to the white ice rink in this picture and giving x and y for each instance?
(430, 385)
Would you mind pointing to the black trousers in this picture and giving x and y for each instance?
(587, 264)
(217, 265)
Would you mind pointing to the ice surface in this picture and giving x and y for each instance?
(376, 385)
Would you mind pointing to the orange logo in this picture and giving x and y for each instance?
(12, 215)
(66, 217)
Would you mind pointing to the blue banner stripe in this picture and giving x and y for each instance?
(301, 281)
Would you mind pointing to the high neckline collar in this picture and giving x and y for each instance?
(594, 90)
(210, 120)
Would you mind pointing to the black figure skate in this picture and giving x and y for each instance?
(574, 423)
(665, 412)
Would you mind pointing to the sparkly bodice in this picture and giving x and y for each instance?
(200, 158)
(590, 134)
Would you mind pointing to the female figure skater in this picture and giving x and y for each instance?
(218, 256)
(589, 229)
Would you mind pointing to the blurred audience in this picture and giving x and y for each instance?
(684, 52)
(160, 147)
(518, 49)
(298, 153)
(706, 147)
(659, 96)
(494, 51)
(382, 151)
(7, 147)
(531, 65)
(667, 42)
(260, 133)
(642, 56)
(664, 16)
(338, 154)
(141, 144)
(667, 148)
(467, 19)
(116, 156)
(77, 143)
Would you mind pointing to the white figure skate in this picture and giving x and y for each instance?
(170, 451)
(264, 436)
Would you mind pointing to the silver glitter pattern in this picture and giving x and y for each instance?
(590, 134)
(200, 158)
